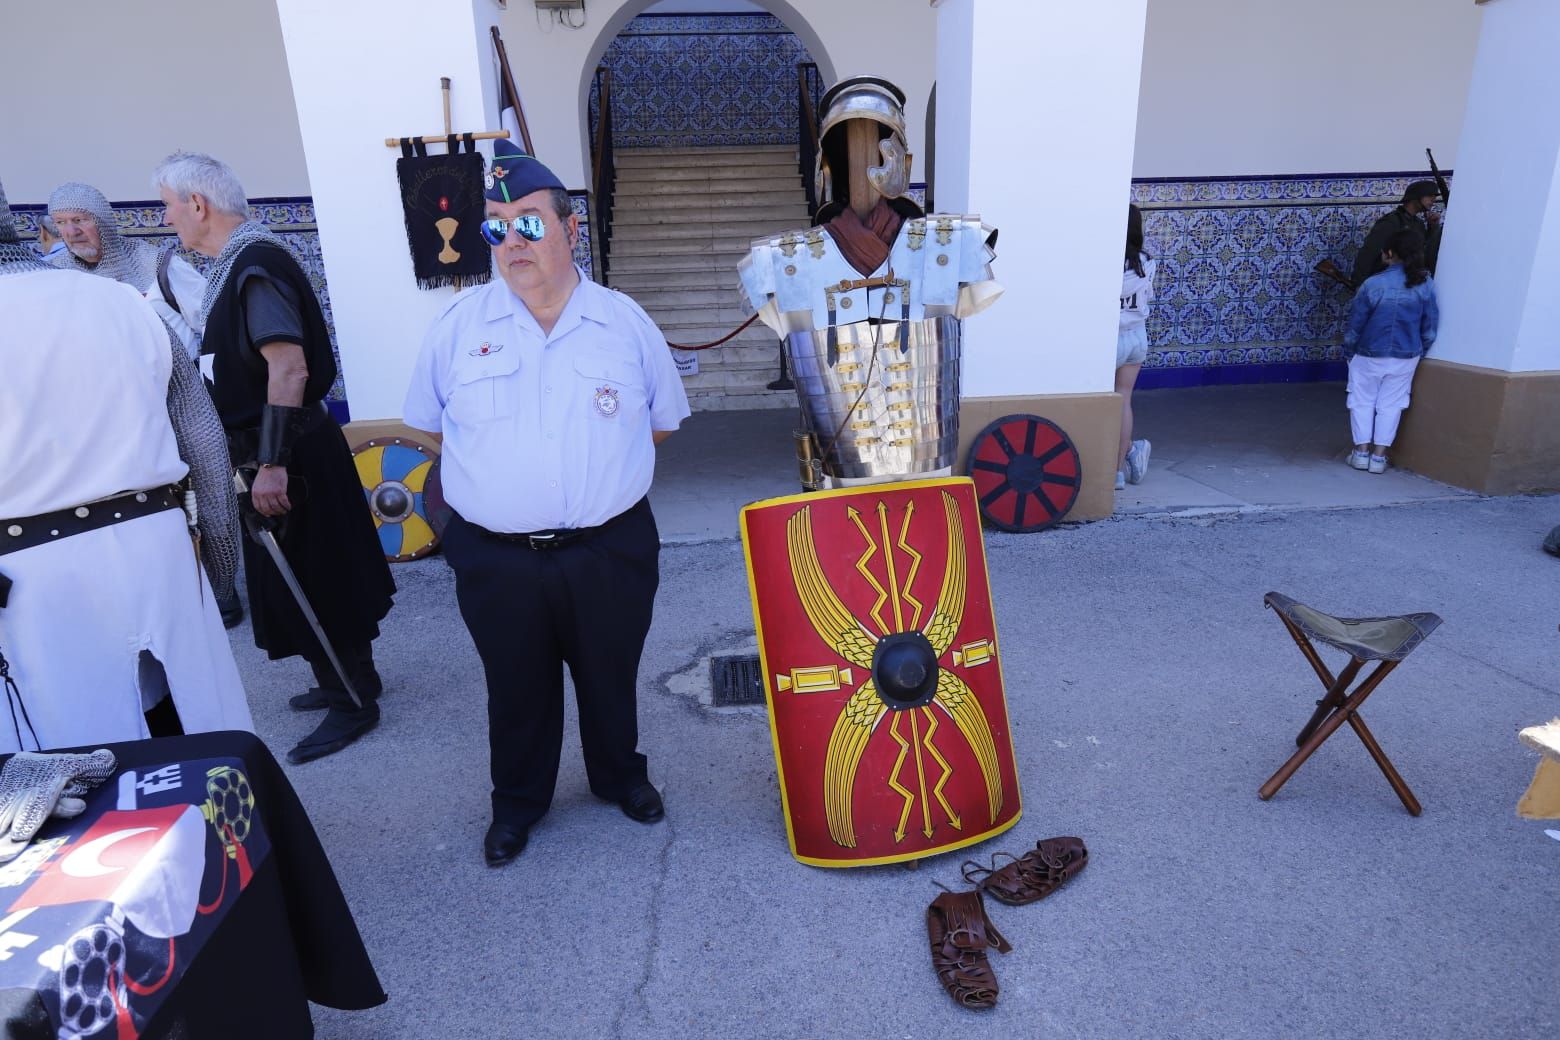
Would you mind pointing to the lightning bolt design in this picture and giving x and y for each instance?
(947, 771)
(915, 566)
(876, 612)
(893, 778)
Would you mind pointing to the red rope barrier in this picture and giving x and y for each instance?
(717, 342)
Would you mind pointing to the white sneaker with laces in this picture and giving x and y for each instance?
(1121, 481)
(1359, 459)
(1378, 463)
(1137, 461)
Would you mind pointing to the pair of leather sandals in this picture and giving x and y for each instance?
(961, 931)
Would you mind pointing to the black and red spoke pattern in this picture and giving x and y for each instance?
(1026, 473)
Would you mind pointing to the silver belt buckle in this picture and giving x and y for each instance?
(540, 541)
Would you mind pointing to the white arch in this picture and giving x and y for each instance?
(614, 24)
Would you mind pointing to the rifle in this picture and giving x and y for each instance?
(1440, 181)
(1330, 269)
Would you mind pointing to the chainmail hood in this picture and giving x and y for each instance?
(122, 259)
(14, 257)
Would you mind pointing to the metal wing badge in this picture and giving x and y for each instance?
(853, 637)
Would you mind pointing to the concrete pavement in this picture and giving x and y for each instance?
(1150, 694)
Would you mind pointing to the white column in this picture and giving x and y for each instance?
(1498, 280)
(1040, 145)
(363, 72)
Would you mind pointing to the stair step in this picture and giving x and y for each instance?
(626, 160)
(645, 188)
(685, 298)
(639, 281)
(683, 200)
(653, 245)
(711, 264)
(640, 175)
(713, 149)
(792, 215)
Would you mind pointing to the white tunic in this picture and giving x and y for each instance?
(83, 416)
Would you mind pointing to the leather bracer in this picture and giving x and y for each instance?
(280, 427)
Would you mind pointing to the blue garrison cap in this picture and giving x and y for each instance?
(515, 174)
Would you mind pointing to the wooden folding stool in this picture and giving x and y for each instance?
(1386, 640)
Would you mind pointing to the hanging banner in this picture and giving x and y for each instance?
(441, 199)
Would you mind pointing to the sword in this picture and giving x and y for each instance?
(266, 538)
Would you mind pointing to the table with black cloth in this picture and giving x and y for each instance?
(191, 900)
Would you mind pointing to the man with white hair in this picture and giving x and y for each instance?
(104, 609)
(272, 365)
(95, 244)
(50, 244)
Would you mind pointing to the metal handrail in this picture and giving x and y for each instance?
(603, 165)
(809, 94)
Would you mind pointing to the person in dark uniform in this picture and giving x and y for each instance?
(549, 393)
(1417, 211)
(271, 367)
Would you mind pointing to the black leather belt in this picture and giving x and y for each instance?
(28, 531)
(559, 536)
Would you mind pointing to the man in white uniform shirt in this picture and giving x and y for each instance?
(104, 606)
(550, 393)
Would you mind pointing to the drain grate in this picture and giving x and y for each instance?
(736, 680)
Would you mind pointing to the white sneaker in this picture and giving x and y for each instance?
(1121, 481)
(1137, 461)
(1359, 459)
(1378, 463)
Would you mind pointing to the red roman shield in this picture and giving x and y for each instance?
(882, 671)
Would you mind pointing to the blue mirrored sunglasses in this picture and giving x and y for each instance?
(528, 227)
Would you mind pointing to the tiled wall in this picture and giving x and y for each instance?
(293, 221)
(694, 80)
(1238, 301)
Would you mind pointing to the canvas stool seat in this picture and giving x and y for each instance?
(1385, 640)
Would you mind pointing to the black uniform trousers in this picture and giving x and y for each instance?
(586, 604)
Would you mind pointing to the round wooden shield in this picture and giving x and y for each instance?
(1026, 473)
(433, 498)
(394, 474)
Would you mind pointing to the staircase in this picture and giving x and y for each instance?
(682, 220)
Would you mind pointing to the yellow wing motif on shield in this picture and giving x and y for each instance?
(834, 624)
(852, 730)
(959, 702)
(943, 625)
(955, 697)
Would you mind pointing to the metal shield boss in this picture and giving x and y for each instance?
(882, 671)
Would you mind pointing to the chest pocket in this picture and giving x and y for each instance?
(613, 388)
(484, 388)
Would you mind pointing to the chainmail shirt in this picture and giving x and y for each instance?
(246, 234)
(203, 447)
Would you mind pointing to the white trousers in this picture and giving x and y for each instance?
(1378, 393)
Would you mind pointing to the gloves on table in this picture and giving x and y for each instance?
(34, 787)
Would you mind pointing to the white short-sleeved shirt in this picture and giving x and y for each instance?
(545, 431)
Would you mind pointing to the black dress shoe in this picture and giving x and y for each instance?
(643, 803)
(338, 729)
(503, 843)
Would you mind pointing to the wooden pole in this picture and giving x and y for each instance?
(486, 135)
(444, 86)
(861, 145)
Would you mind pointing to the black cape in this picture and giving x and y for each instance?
(329, 537)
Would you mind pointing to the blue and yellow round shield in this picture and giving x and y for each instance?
(394, 472)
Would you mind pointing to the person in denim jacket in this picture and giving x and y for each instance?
(1392, 324)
